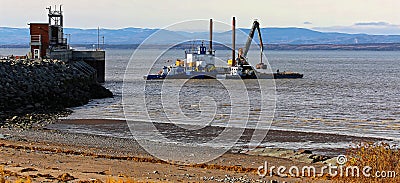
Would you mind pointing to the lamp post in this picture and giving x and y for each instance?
(103, 43)
(68, 40)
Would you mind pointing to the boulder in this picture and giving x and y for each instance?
(31, 87)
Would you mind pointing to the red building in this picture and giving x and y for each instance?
(39, 39)
(47, 41)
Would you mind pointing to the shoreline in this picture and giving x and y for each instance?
(44, 155)
(54, 153)
(65, 120)
(312, 139)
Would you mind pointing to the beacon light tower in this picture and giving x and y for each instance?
(56, 34)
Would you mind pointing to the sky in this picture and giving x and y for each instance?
(349, 16)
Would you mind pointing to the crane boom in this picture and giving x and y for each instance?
(256, 26)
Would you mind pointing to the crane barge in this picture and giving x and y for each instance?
(200, 63)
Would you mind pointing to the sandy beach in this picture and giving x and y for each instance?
(45, 154)
(199, 91)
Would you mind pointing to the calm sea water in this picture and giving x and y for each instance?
(342, 92)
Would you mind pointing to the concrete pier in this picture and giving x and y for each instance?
(96, 59)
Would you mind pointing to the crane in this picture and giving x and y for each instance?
(255, 27)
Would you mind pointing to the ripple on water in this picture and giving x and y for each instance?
(344, 92)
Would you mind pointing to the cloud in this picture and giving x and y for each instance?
(376, 28)
(307, 23)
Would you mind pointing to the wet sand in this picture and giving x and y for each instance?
(46, 154)
(207, 133)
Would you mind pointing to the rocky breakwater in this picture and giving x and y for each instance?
(35, 91)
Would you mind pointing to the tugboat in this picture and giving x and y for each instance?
(200, 63)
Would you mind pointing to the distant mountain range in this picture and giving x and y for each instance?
(295, 36)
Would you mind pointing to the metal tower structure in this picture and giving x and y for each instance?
(56, 34)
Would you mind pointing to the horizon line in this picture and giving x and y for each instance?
(189, 31)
